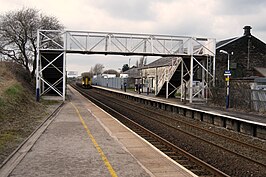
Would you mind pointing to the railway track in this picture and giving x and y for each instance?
(190, 127)
(187, 160)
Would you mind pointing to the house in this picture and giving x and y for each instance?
(247, 57)
(247, 64)
(133, 74)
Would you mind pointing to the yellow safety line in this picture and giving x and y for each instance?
(104, 158)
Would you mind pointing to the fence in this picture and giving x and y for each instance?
(241, 98)
(115, 82)
(258, 100)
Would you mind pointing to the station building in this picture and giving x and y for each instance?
(247, 63)
(247, 56)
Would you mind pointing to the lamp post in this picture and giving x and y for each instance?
(227, 73)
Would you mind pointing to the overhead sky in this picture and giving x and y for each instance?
(220, 19)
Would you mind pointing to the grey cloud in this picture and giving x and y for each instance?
(188, 30)
(260, 27)
(195, 27)
(136, 10)
(239, 7)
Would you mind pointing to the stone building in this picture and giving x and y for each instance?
(247, 56)
(132, 74)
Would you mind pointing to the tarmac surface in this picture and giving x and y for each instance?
(83, 140)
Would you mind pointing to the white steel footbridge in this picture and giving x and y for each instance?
(53, 47)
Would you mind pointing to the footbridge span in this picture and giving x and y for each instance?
(53, 47)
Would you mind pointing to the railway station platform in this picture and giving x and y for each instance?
(202, 107)
(84, 140)
(250, 124)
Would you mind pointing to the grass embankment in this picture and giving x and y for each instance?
(19, 113)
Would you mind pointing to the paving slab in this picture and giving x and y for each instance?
(147, 155)
(65, 149)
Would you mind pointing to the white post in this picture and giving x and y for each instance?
(38, 68)
(191, 80)
(182, 79)
(156, 81)
(191, 71)
(203, 79)
(227, 77)
(227, 83)
(166, 79)
(64, 67)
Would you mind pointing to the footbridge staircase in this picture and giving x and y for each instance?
(169, 79)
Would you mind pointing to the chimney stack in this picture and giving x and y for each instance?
(247, 30)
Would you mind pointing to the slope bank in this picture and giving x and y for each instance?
(20, 114)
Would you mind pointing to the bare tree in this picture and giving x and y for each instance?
(18, 35)
(89, 74)
(145, 61)
(98, 69)
(91, 71)
(125, 67)
(141, 61)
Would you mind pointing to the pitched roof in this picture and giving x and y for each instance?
(132, 72)
(226, 41)
(261, 70)
(164, 61)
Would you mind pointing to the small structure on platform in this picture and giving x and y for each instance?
(260, 84)
(123, 75)
(108, 75)
(72, 74)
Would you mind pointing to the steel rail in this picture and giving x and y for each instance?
(195, 136)
(203, 129)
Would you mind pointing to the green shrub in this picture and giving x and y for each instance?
(5, 138)
(14, 91)
(2, 102)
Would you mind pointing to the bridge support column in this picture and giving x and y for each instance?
(191, 80)
(51, 63)
(191, 70)
(167, 83)
(64, 67)
(38, 68)
(182, 96)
